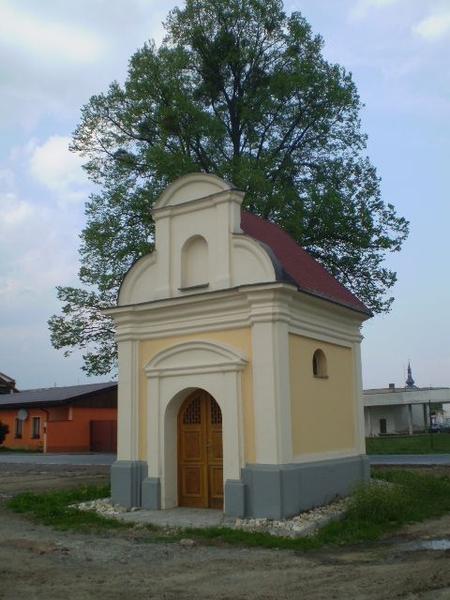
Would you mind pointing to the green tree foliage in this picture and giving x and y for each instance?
(239, 89)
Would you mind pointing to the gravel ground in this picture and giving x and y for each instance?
(40, 563)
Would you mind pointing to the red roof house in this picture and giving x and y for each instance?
(78, 418)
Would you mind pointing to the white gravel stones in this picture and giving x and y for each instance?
(307, 523)
(102, 506)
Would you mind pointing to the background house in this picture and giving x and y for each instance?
(80, 418)
(406, 409)
(7, 385)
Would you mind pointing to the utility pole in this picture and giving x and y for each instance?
(430, 425)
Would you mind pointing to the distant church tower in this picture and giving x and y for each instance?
(409, 380)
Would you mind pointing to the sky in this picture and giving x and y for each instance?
(56, 54)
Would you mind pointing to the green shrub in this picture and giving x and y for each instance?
(380, 503)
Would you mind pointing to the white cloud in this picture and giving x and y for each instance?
(53, 165)
(37, 249)
(46, 37)
(73, 50)
(362, 7)
(14, 211)
(434, 27)
(6, 179)
(37, 252)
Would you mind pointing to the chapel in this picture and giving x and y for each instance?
(239, 365)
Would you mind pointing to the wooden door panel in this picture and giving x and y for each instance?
(192, 481)
(215, 454)
(215, 486)
(192, 446)
(200, 454)
(216, 450)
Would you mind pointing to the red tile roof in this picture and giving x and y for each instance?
(301, 268)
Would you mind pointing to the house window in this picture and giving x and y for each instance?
(19, 429)
(36, 428)
(319, 364)
(383, 426)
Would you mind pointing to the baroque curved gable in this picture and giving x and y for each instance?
(191, 187)
(200, 246)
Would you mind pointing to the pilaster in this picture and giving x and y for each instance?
(271, 384)
(164, 271)
(360, 438)
(128, 401)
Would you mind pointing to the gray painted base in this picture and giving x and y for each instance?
(234, 498)
(270, 491)
(126, 482)
(281, 491)
(151, 493)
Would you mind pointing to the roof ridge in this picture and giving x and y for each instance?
(64, 387)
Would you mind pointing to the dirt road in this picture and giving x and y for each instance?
(37, 562)
(16, 478)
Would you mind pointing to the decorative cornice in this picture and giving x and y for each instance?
(237, 308)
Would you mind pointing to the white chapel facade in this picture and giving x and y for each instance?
(239, 365)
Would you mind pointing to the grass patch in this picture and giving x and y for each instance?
(434, 443)
(238, 537)
(53, 508)
(374, 510)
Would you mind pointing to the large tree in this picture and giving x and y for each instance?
(240, 89)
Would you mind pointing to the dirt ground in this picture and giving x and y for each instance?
(16, 478)
(37, 562)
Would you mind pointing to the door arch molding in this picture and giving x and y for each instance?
(172, 374)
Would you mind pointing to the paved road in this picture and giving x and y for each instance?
(31, 458)
(410, 459)
(108, 459)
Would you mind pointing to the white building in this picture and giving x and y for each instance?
(407, 409)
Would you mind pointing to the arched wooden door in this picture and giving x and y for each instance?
(200, 457)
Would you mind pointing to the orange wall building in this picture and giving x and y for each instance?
(80, 418)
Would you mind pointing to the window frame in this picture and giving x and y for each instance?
(319, 364)
(36, 435)
(18, 429)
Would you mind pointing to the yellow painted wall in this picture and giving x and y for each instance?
(323, 410)
(236, 338)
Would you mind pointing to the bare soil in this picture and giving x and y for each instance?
(38, 562)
